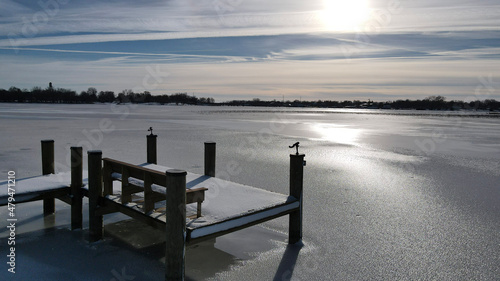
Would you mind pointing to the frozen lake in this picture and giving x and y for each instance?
(387, 196)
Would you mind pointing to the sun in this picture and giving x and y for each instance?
(344, 15)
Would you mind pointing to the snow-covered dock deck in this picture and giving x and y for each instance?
(34, 188)
(227, 207)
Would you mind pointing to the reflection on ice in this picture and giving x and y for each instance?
(338, 133)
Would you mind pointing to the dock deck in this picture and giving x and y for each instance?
(36, 188)
(228, 206)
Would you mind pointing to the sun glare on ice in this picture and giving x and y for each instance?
(338, 133)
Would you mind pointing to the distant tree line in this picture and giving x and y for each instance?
(61, 95)
(430, 103)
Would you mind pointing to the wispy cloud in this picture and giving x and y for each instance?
(99, 38)
(95, 21)
(164, 56)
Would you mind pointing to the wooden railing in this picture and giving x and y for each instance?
(136, 179)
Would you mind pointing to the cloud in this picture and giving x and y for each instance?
(96, 21)
(9, 8)
(264, 49)
(266, 79)
(453, 45)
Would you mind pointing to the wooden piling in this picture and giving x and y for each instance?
(210, 158)
(95, 191)
(296, 190)
(151, 149)
(76, 187)
(175, 225)
(49, 205)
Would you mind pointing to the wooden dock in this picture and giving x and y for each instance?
(227, 206)
(189, 207)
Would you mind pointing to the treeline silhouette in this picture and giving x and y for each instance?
(430, 103)
(61, 95)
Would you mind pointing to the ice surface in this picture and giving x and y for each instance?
(397, 198)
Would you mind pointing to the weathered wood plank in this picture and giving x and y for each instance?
(136, 171)
(114, 205)
(149, 203)
(126, 191)
(210, 231)
(107, 180)
(37, 195)
(66, 199)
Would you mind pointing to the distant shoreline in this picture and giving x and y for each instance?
(399, 112)
(307, 110)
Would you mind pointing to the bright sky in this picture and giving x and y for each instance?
(244, 49)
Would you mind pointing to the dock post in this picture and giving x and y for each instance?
(151, 149)
(76, 187)
(49, 206)
(95, 191)
(175, 225)
(210, 158)
(296, 188)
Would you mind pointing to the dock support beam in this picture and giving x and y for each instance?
(296, 188)
(175, 225)
(49, 206)
(107, 180)
(95, 191)
(76, 187)
(210, 158)
(151, 149)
